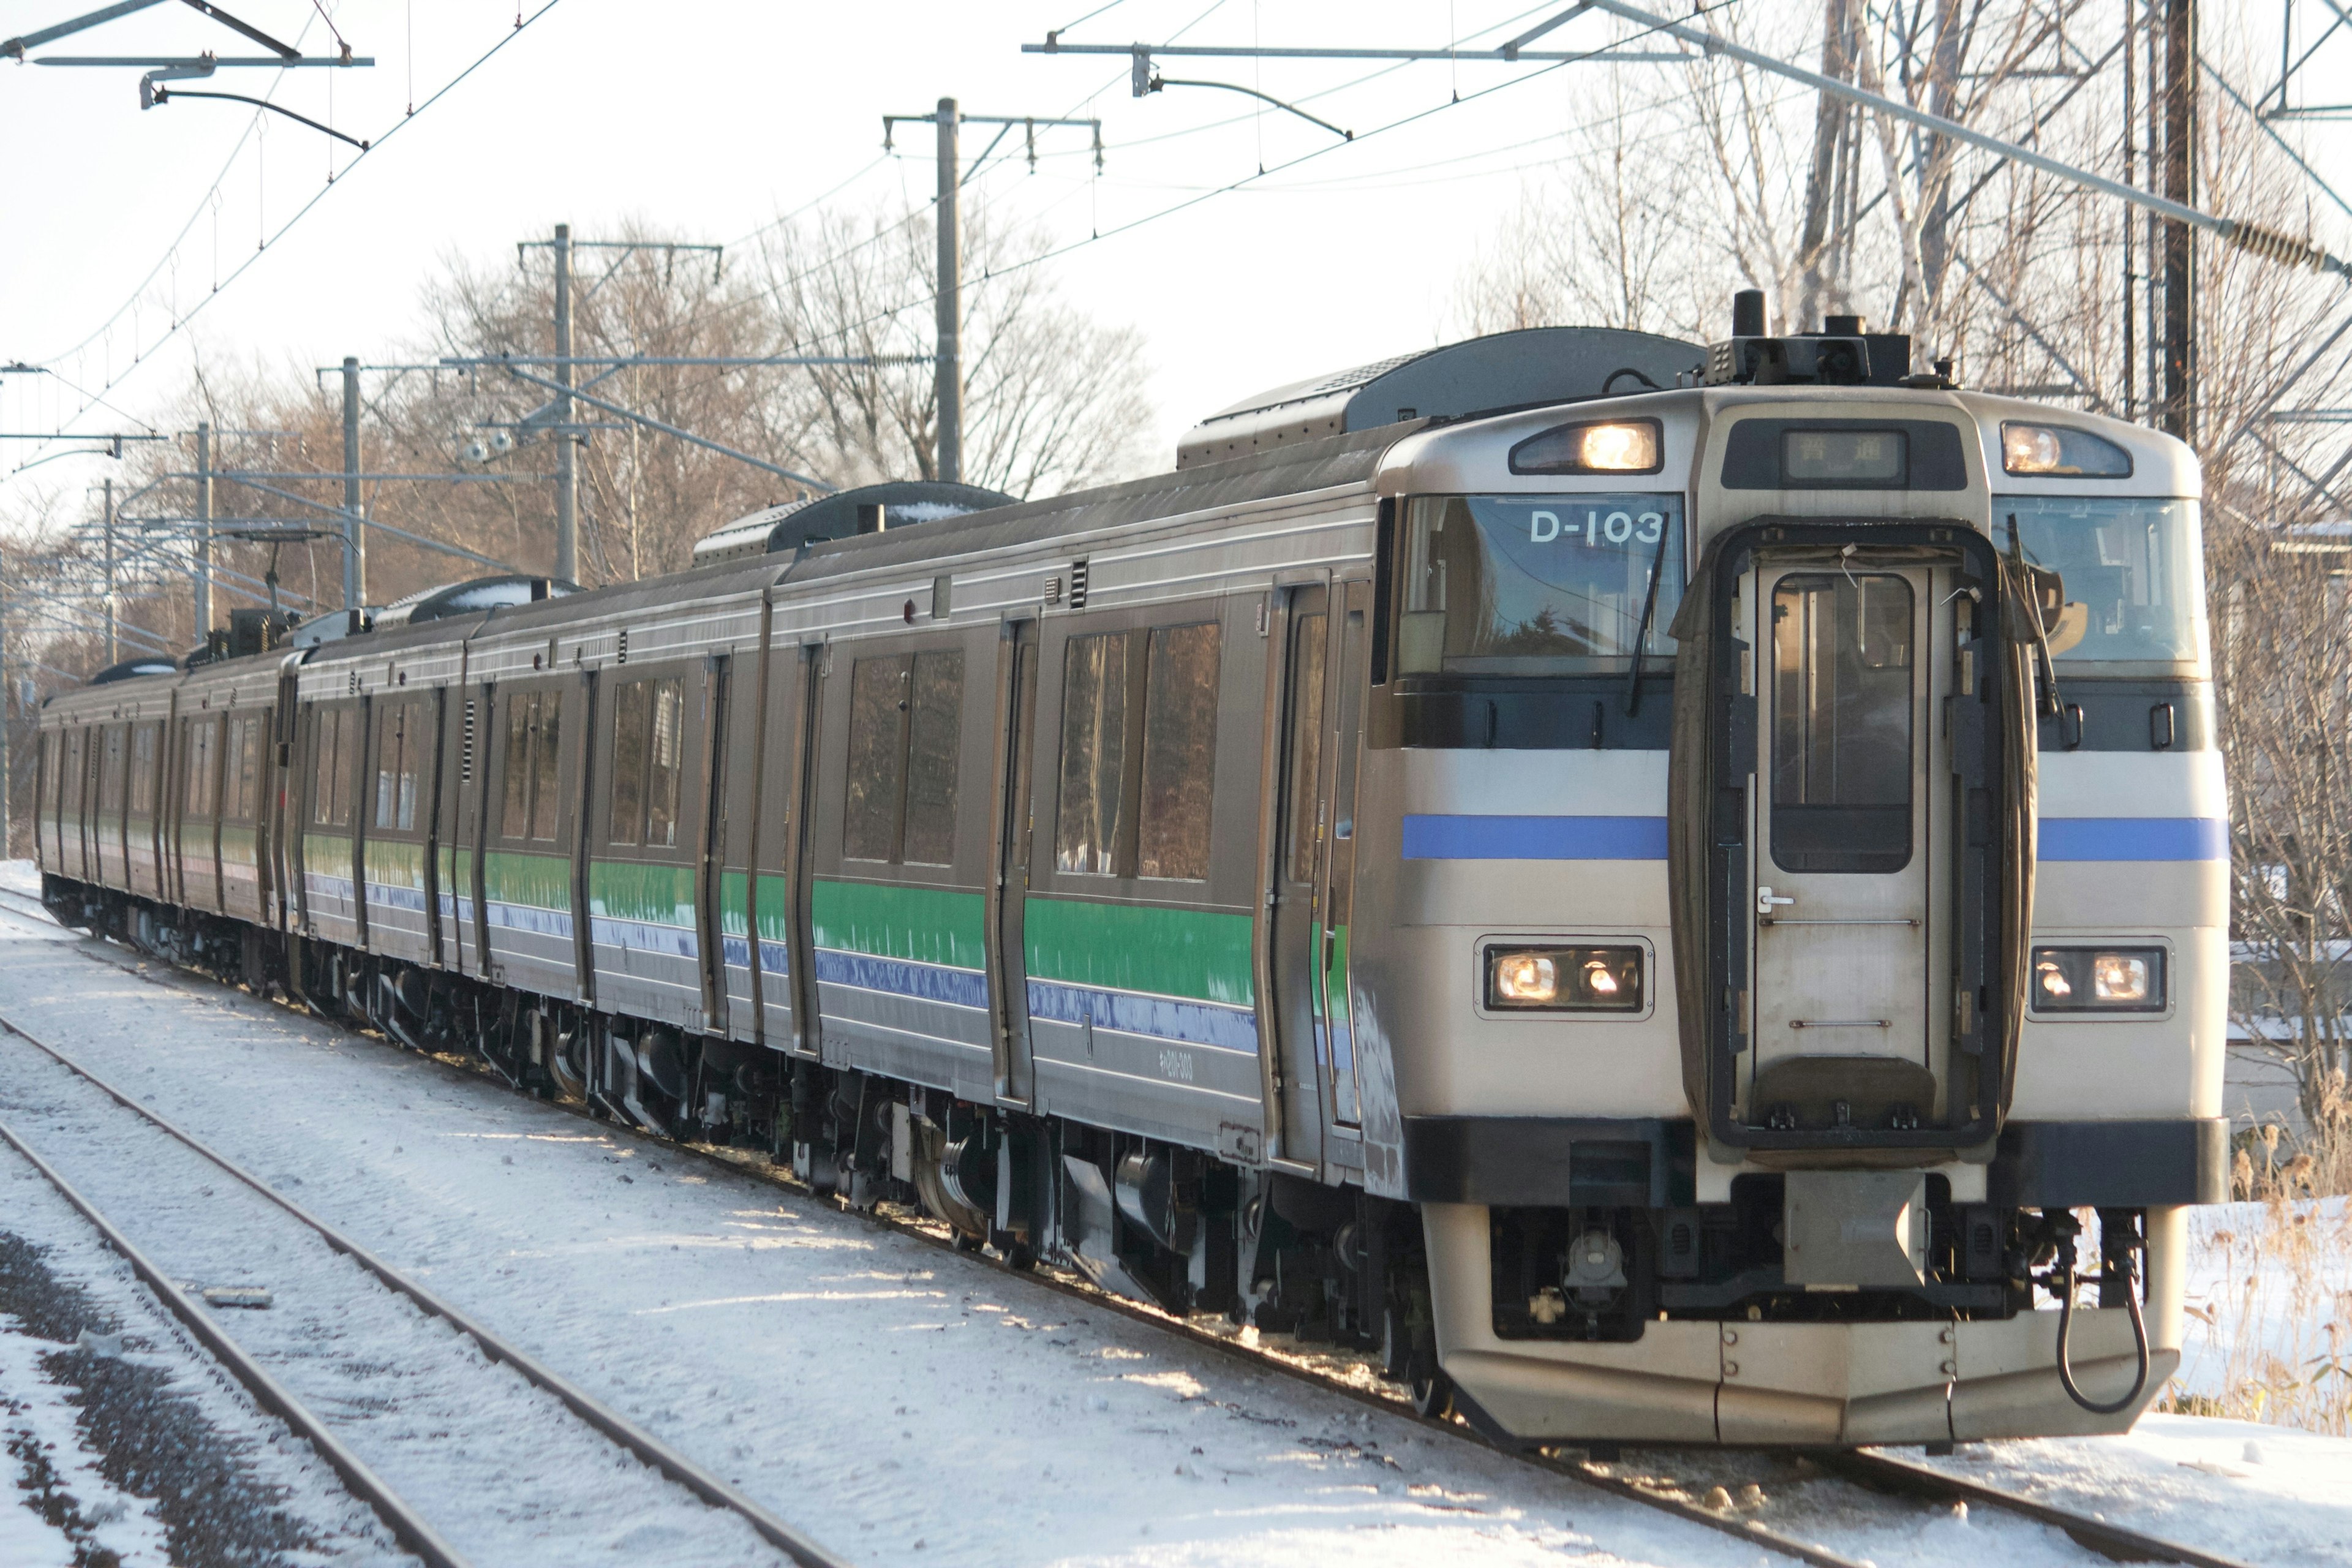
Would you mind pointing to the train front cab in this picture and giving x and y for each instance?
(1750, 1062)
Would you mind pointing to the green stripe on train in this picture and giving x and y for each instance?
(922, 925)
(1203, 954)
(540, 881)
(394, 863)
(775, 911)
(629, 890)
(238, 845)
(329, 854)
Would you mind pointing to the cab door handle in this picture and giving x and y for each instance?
(1766, 903)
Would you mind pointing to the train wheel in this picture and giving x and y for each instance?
(1432, 1392)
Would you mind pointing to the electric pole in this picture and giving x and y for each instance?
(2179, 259)
(567, 478)
(949, 393)
(203, 533)
(354, 532)
(112, 655)
(948, 386)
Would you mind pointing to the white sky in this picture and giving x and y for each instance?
(712, 118)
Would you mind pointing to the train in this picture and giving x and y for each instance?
(1661, 891)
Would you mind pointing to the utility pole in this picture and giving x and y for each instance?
(203, 533)
(567, 478)
(354, 530)
(112, 655)
(948, 386)
(2180, 258)
(949, 393)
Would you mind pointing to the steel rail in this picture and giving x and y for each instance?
(1873, 1471)
(407, 1526)
(712, 1489)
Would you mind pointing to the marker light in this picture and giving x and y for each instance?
(1603, 446)
(1564, 979)
(2062, 452)
(2098, 980)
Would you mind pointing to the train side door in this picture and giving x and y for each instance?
(1301, 827)
(1841, 875)
(807, 1026)
(718, 696)
(1008, 889)
(1335, 1046)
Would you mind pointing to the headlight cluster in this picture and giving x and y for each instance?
(2098, 980)
(1601, 447)
(1564, 979)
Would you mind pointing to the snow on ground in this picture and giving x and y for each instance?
(905, 1405)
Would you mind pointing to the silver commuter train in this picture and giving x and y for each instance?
(1280, 887)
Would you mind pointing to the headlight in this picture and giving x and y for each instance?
(1564, 979)
(2061, 451)
(1601, 447)
(2098, 980)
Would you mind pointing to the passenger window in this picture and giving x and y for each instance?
(395, 767)
(1841, 700)
(647, 749)
(245, 761)
(628, 763)
(142, 769)
(1179, 751)
(200, 767)
(109, 778)
(877, 756)
(934, 731)
(1306, 788)
(533, 732)
(326, 771)
(546, 761)
(1087, 817)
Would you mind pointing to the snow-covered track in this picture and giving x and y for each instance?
(1678, 1482)
(408, 1526)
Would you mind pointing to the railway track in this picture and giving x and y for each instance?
(1767, 1498)
(406, 1522)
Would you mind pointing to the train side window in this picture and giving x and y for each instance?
(546, 760)
(934, 731)
(664, 751)
(1306, 790)
(201, 766)
(111, 771)
(648, 718)
(1089, 801)
(330, 805)
(245, 765)
(877, 757)
(534, 730)
(142, 770)
(628, 814)
(1180, 752)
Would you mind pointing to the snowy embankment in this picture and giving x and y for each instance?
(901, 1404)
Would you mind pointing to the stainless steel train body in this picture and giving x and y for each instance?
(1594, 901)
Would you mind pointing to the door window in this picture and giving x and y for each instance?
(533, 733)
(1842, 722)
(1305, 743)
(906, 730)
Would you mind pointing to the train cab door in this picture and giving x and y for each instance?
(1334, 1045)
(1294, 914)
(1849, 795)
(1014, 820)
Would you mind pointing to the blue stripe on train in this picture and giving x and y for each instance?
(2134, 838)
(775, 958)
(2062, 838)
(643, 936)
(530, 918)
(1432, 837)
(1163, 1017)
(898, 977)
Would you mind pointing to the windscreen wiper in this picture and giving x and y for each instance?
(1641, 630)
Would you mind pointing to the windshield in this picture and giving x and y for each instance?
(2133, 564)
(1537, 585)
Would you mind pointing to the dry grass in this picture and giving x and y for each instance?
(2270, 1292)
